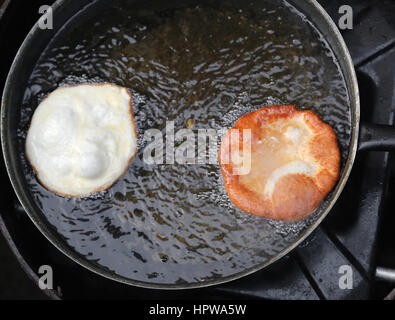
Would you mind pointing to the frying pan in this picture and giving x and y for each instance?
(366, 137)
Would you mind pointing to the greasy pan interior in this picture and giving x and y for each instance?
(191, 62)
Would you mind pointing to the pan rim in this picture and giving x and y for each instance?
(73, 255)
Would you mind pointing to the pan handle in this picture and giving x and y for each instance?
(375, 137)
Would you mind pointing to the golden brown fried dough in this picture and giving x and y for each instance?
(293, 164)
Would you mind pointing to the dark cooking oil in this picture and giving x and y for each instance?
(200, 64)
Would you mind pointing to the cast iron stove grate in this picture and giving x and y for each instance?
(348, 237)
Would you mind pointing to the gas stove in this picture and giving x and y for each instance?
(354, 241)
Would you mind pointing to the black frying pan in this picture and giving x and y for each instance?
(145, 230)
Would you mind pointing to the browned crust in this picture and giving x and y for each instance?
(129, 161)
(295, 196)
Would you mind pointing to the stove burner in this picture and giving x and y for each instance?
(350, 241)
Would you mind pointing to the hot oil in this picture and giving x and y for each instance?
(204, 64)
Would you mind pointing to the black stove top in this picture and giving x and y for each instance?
(356, 237)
